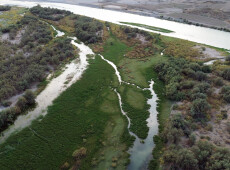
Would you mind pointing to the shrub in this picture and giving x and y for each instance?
(200, 76)
(198, 96)
(206, 69)
(192, 139)
(226, 74)
(226, 93)
(188, 84)
(6, 103)
(218, 81)
(228, 127)
(30, 98)
(79, 153)
(5, 8)
(199, 108)
(22, 103)
(227, 58)
(49, 13)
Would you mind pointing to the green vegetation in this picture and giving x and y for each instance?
(5, 8)
(148, 27)
(8, 116)
(91, 132)
(11, 17)
(203, 155)
(25, 60)
(82, 124)
(87, 29)
(49, 13)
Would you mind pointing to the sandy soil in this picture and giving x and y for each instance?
(209, 53)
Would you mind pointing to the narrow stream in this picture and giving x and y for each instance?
(59, 33)
(212, 61)
(141, 152)
(70, 75)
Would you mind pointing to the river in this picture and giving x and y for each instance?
(197, 34)
(56, 86)
(141, 151)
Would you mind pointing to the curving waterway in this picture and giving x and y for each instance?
(198, 34)
(141, 151)
(70, 75)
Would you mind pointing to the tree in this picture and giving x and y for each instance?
(226, 74)
(199, 108)
(186, 159)
(22, 103)
(202, 150)
(219, 160)
(29, 96)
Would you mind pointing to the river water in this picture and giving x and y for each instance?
(70, 75)
(198, 34)
(141, 151)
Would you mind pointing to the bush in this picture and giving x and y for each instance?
(228, 127)
(49, 13)
(227, 58)
(199, 108)
(218, 81)
(192, 139)
(5, 8)
(226, 74)
(30, 98)
(22, 103)
(198, 96)
(87, 29)
(226, 93)
(200, 76)
(206, 69)
(6, 103)
(188, 84)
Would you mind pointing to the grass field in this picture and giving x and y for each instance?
(92, 120)
(148, 27)
(11, 17)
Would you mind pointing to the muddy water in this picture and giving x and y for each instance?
(141, 152)
(71, 74)
(59, 33)
(212, 61)
(184, 31)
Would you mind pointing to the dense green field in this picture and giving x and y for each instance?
(88, 115)
(80, 117)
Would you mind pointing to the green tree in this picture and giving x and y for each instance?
(29, 96)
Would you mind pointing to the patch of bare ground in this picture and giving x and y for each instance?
(208, 53)
(216, 130)
(141, 38)
(17, 38)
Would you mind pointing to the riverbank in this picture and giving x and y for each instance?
(184, 31)
(197, 13)
(84, 127)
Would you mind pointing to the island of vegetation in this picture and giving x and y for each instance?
(148, 27)
(84, 127)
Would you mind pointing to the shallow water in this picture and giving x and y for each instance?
(70, 75)
(212, 61)
(141, 152)
(198, 34)
(59, 33)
